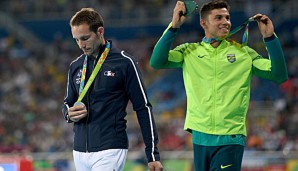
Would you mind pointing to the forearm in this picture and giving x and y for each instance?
(69, 98)
(159, 58)
(278, 64)
(149, 134)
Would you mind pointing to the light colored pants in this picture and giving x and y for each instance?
(106, 160)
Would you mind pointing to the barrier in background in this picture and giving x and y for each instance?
(16, 163)
(172, 161)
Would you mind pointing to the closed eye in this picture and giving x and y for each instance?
(83, 38)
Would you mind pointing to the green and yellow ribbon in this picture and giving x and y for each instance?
(84, 88)
(244, 37)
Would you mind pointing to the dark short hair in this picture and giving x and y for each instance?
(87, 16)
(216, 4)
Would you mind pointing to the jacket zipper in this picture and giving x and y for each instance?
(87, 122)
(214, 92)
(88, 112)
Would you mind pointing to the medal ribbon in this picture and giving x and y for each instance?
(244, 37)
(83, 89)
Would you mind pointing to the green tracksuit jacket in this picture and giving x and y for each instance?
(217, 80)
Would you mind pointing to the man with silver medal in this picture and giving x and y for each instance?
(100, 84)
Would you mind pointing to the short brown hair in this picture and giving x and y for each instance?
(217, 4)
(87, 16)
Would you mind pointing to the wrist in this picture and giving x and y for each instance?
(175, 25)
(269, 38)
(173, 29)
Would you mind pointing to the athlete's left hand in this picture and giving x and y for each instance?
(265, 25)
(178, 17)
(155, 166)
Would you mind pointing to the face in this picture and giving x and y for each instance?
(87, 40)
(217, 23)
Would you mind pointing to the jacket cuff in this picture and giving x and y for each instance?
(268, 39)
(153, 157)
(173, 29)
(68, 119)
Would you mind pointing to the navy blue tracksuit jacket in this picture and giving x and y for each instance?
(118, 81)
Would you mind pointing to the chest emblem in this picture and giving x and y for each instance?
(109, 73)
(231, 58)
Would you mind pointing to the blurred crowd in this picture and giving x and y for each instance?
(33, 84)
(113, 9)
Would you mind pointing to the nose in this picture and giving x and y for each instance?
(226, 21)
(81, 44)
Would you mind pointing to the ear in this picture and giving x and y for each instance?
(203, 23)
(100, 31)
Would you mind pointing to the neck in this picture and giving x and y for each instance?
(101, 48)
(102, 41)
(215, 44)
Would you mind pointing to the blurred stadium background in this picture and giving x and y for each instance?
(36, 48)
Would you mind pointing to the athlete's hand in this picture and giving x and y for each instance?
(178, 17)
(76, 113)
(155, 166)
(265, 25)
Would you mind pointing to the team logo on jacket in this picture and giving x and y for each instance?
(231, 58)
(109, 73)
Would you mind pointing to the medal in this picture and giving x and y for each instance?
(79, 104)
(190, 6)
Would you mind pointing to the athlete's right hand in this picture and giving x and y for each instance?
(178, 17)
(76, 113)
(155, 166)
